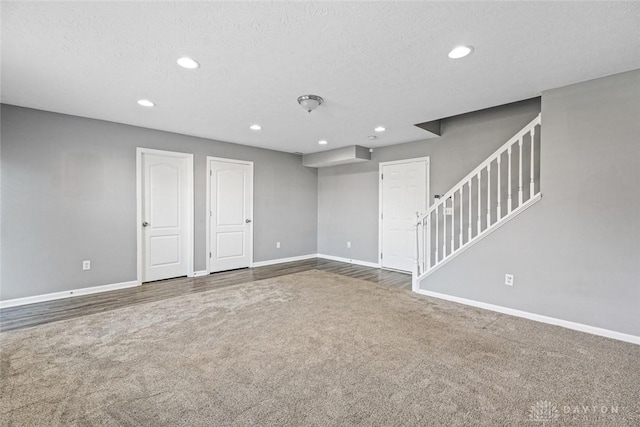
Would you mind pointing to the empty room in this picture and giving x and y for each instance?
(319, 213)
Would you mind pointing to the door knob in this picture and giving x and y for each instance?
(247, 221)
(145, 224)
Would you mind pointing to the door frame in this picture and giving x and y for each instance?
(425, 159)
(207, 212)
(189, 208)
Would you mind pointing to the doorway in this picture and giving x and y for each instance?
(404, 192)
(164, 214)
(229, 214)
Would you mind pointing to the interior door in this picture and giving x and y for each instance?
(165, 215)
(230, 212)
(404, 192)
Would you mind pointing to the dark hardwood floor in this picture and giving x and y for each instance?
(13, 318)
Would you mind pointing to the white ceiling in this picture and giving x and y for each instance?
(375, 63)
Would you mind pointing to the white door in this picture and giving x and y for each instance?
(166, 223)
(404, 189)
(230, 214)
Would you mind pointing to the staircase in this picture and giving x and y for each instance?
(500, 188)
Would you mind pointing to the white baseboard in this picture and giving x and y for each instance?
(283, 260)
(67, 294)
(537, 317)
(199, 273)
(350, 261)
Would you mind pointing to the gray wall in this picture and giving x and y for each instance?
(576, 253)
(348, 194)
(69, 194)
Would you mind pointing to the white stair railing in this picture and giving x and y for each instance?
(482, 201)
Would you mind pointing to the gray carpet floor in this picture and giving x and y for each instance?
(313, 349)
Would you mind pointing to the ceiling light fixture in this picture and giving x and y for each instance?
(186, 62)
(146, 103)
(460, 52)
(255, 127)
(372, 137)
(310, 102)
(322, 142)
(380, 129)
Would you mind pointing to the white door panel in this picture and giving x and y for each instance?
(229, 245)
(165, 215)
(403, 193)
(164, 203)
(230, 210)
(164, 250)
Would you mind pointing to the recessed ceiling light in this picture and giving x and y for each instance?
(460, 52)
(380, 129)
(146, 103)
(255, 127)
(186, 62)
(372, 137)
(322, 142)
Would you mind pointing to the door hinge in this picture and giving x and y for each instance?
(210, 213)
(381, 176)
(380, 255)
(210, 173)
(209, 254)
(381, 216)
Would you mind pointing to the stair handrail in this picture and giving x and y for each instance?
(532, 124)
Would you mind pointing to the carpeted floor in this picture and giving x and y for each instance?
(313, 349)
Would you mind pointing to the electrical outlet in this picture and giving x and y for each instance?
(86, 265)
(277, 245)
(348, 244)
(508, 279)
(448, 211)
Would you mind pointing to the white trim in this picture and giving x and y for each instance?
(505, 219)
(537, 317)
(190, 205)
(208, 207)
(349, 261)
(283, 260)
(67, 294)
(428, 195)
(199, 273)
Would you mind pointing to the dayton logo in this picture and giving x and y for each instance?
(543, 412)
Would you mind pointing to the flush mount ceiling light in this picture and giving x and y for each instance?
(372, 137)
(380, 129)
(186, 62)
(322, 142)
(310, 102)
(255, 127)
(146, 103)
(460, 52)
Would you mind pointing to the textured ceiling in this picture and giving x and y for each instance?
(375, 63)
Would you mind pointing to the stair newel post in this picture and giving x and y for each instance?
(509, 207)
(489, 195)
(469, 232)
(498, 192)
(479, 203)
(428, 240)
(461, 205)
(531, 184)
(520, 173)
(417, 256)
(437, 234)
